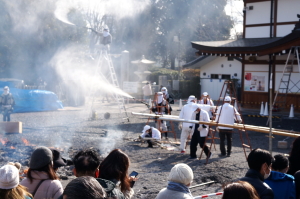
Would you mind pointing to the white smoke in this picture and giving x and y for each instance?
(100, 8)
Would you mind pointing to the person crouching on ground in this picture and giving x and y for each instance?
(9, 184)
(179, 180)
(199, 132)
(151, 132)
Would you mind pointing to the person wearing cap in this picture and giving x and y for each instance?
(58, 161)
(205, 99)
(147, 91)
(186, 114)
(151, 132)
(9, 184)
(7, 103)
(160, 107)
(226, 114)
(41, 180)
(199, 132)
(179, 180)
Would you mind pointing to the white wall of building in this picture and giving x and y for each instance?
(214, 86)
(283, 30)
(260, 13)
(288, 10)
(257, 32)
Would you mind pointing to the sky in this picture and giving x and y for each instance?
(234, 9)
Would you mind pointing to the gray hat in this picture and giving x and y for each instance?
(40, 157)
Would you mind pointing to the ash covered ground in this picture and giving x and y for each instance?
(71, 129)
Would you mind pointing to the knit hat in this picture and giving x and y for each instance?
(181, 173)
(9, 177)
(40, 157)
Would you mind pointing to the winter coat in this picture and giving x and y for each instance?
(49, 189)
(170, 194)
(111, 189)
(228, 115)
(155, 134)
(282, 184)
(7, 99)
(257, 181)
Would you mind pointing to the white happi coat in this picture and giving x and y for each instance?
(227, 116)
(155, 134)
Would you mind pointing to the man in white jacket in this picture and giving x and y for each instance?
(199, 131)
(226, 114)
(151, 132)
(186, 113)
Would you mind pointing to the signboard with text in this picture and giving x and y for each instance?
(130, 87)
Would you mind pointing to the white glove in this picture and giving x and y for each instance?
(217, 129)
(200, 127)
(180, 126)
(240, 121)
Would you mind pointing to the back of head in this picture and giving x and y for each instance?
(239, 190)
(9, 177)
(227, 99)
(115, 167)
(280, 163)
(40, 158)
(257, 157)
(181, 173)
(191, 98)
(86, 162)
(85, 187)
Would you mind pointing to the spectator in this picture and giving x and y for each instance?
(114, 169)
(259, 162)
(238, 190)
(282, 184)
(297, 184)
(58, 161)
(42, 181)
(86, 163)
(179, 180)
(9, 184)
(85, 187)
(294, 157)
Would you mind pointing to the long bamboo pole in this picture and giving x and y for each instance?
(235, 125)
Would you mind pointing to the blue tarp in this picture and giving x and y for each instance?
(33, 100)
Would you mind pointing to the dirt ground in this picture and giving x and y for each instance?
(72, 129)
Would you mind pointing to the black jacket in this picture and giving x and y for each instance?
(257, 181)
(110, 188)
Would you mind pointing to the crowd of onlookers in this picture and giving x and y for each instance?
(268, 177)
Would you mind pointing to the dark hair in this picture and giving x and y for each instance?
(84, 187)
(86, 162)
(295, 157)
(238, 190)
(280, 162)
(48, 169)
(257, 157)
(115, 167)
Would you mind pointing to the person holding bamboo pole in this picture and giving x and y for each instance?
(226, 114)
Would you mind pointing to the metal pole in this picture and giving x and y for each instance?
(270, 115)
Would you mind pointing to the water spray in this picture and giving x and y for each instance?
(148, 106)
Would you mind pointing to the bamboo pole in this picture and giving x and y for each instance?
(235, 125)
